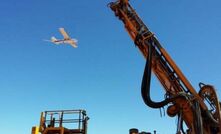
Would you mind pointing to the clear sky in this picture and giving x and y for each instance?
(103, 75)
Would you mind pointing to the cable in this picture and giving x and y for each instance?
(145, 86)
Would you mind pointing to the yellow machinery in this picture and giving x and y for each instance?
(35, 130)
(62, 122)
(199, 111)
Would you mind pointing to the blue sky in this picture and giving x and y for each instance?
(103, 75)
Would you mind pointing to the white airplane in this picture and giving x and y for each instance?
(66, 40)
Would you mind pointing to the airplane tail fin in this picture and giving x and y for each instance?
(53, 39)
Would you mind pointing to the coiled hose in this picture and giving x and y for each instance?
(145, 86)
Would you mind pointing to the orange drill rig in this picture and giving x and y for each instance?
(199, 111)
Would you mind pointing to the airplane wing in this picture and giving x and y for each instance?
(64, 33)
(73, 44)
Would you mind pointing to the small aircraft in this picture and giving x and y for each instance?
(66, 40)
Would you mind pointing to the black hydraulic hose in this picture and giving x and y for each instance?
(145, 87)
(211, 118)
(198, 125)
(207, 112)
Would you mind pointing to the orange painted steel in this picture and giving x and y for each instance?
(163, 66)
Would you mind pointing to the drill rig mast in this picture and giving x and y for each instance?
(200, 111)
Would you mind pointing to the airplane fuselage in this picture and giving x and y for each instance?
(64, 41)
(71, 42)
